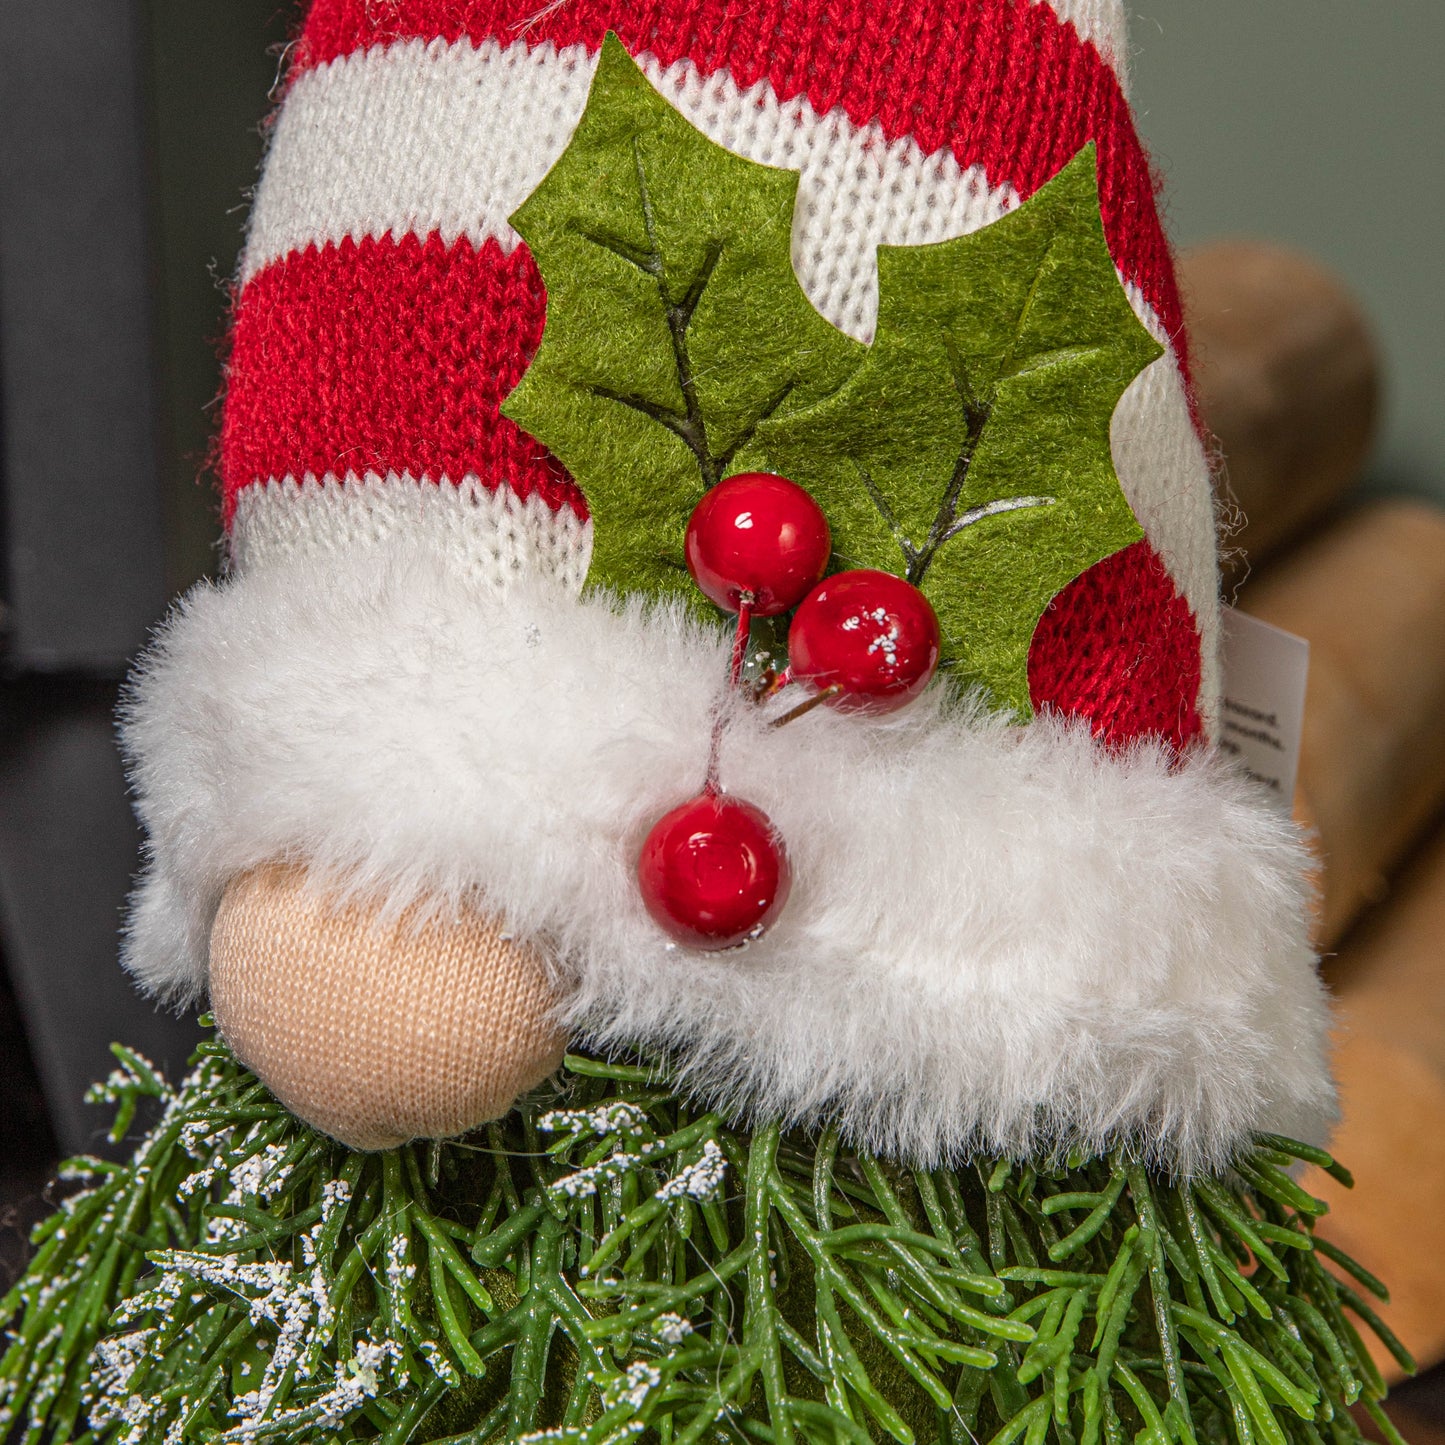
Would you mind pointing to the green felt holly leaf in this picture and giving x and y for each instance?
(967, 448)
(675, 323)
(970, 451)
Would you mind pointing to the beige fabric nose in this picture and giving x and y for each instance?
(378, 1032)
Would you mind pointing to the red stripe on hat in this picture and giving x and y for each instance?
(385, 356)
(1119, 646)
(1004, 83)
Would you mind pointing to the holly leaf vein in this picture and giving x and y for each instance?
(967, 448)
(676, 326)
(970, 451)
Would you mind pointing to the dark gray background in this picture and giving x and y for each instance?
(127, 132)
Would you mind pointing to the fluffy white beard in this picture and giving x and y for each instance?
(998, 938)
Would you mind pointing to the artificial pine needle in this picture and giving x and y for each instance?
(608, 1265)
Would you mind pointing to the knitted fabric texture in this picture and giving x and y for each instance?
(377, 1030)
(387, 307)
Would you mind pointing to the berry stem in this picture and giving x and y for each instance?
(774, 684)
(803, 708)
(710, 785)
(741, 636)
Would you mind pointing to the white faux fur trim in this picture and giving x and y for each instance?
(998, 937)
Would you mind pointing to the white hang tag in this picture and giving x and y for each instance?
(1262, 712)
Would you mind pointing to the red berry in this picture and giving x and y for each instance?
(871, 634)
(713, 872)
(761, 534)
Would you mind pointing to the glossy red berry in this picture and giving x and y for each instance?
(713, 872)
(757, 533)
(870, 634)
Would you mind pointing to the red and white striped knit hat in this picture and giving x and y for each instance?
(1076, 931)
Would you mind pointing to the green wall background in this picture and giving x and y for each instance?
(1320, 123)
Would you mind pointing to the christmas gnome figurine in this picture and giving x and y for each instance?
(397, 768)
(721, 587)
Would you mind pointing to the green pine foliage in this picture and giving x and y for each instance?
(610, 1264)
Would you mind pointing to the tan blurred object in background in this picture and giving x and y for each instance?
(1287, 376)
(1369, 594)
(1287, 380)
(1390, 1059)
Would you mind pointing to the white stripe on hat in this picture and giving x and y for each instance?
(426, 137)
(487, 535)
